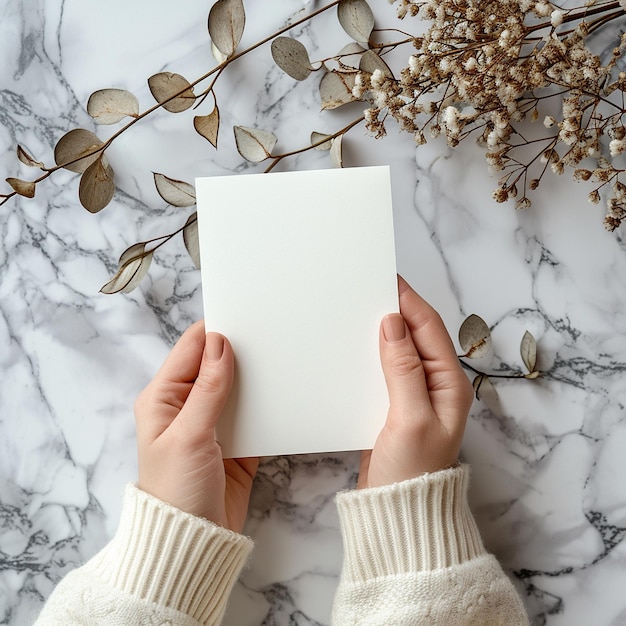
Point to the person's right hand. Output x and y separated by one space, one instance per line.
429 396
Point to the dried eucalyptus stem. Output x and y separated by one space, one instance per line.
479 69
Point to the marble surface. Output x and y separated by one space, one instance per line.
547 464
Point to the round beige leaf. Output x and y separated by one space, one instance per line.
227 19
336 153
356 18
166 85
74 145
253 144
292 57
208 126
317 137
528 351
96 187
132 267
175 192
474 337
217 55
336 89
371 61
24 188
109 106
26 159
190 237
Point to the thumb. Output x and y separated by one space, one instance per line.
211 388
403 370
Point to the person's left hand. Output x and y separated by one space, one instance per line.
180 461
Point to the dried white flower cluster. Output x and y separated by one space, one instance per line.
484 66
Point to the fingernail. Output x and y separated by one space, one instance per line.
214 347
394 328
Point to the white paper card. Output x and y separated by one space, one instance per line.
298 269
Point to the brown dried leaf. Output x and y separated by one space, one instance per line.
175 192
349 55
26 159
24 188
371 61
133 266
227 19
336 89
336 154
315 137
356 18
190 237
474 337
96 187
253 144
528 351
486 393
165 84
292 57
74 145
217 55
109 106
208 125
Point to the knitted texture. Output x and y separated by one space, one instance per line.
163 567
413 555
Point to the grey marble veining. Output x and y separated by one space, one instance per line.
548 464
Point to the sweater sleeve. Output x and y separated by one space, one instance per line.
163 566
413 555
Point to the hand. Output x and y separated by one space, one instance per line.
180 461
429 396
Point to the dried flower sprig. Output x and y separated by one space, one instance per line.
476 342
480 69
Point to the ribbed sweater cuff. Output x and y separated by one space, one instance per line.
163 555
420 524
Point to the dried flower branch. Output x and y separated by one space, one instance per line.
479 69
475 341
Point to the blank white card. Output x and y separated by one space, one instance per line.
298 269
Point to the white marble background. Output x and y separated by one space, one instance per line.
548 467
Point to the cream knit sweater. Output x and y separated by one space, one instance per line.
413 556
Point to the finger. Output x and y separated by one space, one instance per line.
427 328
161 400
403 370
448 386
183 362
209 393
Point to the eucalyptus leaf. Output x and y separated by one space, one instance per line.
316 137
109 106
72 146
27 159
217 55
96 187
208 126
336 89
474 337
24 188
253 144
356 18
175 192
190 237
485 391
292 57
528 351
132 267
350 55
336 153
371 61
165 85
227 19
